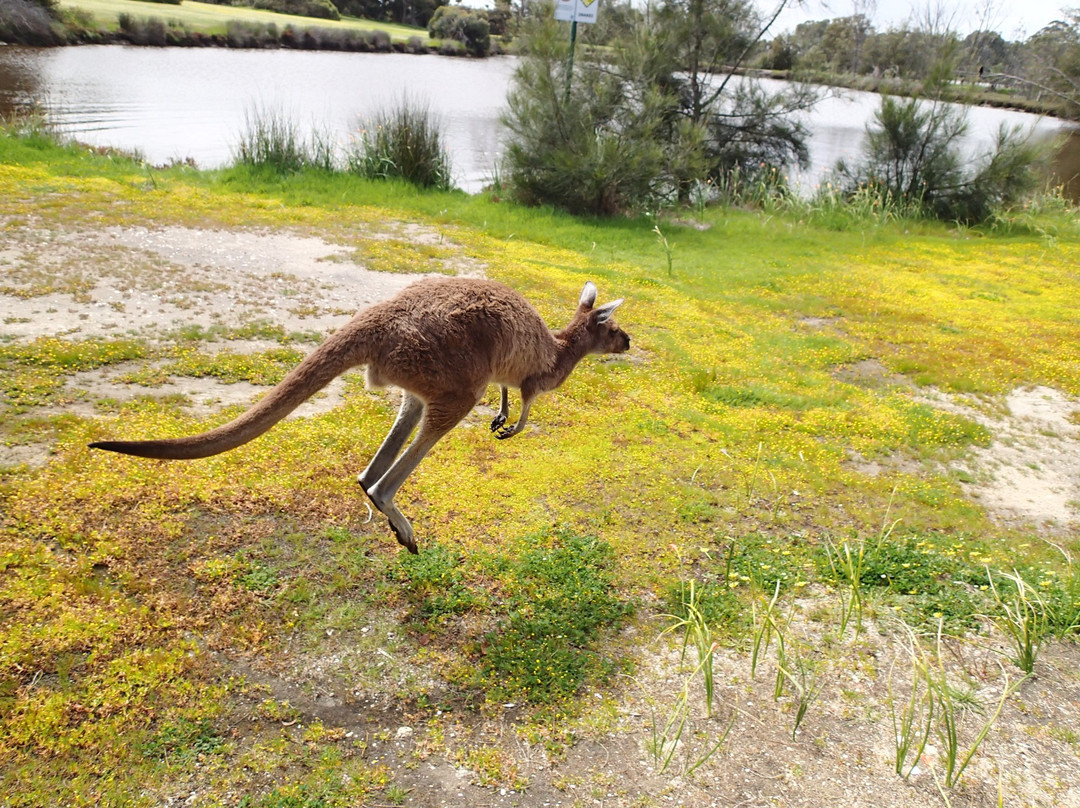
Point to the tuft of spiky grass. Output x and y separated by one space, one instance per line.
803 675
695 629
30 123
667 246
914 721
274 142
765 626
1022 615
847 563
937 706
404 142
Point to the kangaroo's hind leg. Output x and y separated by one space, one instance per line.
439 417
407 418
504 409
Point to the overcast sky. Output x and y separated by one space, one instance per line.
1013 19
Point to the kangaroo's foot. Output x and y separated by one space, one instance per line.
498 421
405 537
398 523
506 431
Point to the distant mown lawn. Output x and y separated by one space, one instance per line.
209 18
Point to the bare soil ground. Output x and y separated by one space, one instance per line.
148 282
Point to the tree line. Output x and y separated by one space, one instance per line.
1043 68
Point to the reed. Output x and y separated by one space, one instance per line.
1022 615
404 143
273 142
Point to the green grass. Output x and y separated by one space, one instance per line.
719 451
209 18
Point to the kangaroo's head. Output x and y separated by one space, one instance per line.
596 325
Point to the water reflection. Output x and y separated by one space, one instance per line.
1066 166
19 80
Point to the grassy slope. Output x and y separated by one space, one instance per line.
725 433
212 19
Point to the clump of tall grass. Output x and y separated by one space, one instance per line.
1064 601
405 143
272 141
847 562
937 706
695 630
30 123
1022 614
23 22
143 30
1047 213
765 188
912 150
342 39
871 203
674 732
245 34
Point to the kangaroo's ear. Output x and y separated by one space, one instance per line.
603 314
588 295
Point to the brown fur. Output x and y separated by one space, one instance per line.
442 341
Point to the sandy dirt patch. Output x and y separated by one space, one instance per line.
1030 472
146 281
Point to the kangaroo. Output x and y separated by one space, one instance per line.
442 341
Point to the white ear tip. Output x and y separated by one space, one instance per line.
588 294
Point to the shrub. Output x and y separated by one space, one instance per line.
589 146
912 157
381 41
465 25
323 9
26 22
451 47
754 136
403 143
142 31
240 34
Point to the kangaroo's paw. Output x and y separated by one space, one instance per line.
506 432
497 422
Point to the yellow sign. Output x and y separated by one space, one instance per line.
577 10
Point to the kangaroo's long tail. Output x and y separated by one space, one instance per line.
332 358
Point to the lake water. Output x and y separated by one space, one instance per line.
179 103
194 103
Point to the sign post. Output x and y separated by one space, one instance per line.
575 11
